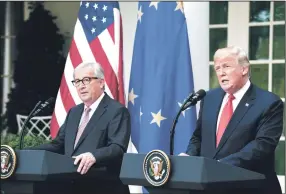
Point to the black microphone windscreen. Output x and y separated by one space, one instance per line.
201 93
50 100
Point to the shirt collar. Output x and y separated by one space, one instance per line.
239 94
94 105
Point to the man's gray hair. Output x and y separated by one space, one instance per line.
233 51
98 71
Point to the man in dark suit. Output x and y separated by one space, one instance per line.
95 132
239 124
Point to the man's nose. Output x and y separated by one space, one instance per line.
221 72
81 86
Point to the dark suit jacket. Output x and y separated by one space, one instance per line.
251 136
106 135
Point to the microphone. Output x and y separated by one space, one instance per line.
190 101
38 108
194 99
46 103
189 97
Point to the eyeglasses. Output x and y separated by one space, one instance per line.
84 81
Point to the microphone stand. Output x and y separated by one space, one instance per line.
25 123
172 131
192 100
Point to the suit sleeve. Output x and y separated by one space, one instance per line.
194 147
269 130
119 130
57 144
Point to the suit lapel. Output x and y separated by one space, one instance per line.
93 120
74 128
242 108
216 102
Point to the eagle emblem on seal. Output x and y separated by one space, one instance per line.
5 164
156 166
8 161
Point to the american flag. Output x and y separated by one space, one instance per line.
97 38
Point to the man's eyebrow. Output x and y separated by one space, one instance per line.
220 64
224 63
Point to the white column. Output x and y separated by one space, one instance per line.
7 56
197 16
238 17
129 22
26 10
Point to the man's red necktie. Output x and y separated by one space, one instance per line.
224 118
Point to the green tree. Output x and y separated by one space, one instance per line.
38 66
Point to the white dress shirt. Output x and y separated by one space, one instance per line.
93 107
238 96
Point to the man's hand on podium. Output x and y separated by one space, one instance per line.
86 161
183 154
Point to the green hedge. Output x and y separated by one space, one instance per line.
280 158
13 141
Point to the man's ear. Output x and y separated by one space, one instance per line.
102 82
245 70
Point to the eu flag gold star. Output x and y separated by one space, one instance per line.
132 96
157 118
155 4
180 6
139 13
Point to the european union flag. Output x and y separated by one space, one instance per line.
161 78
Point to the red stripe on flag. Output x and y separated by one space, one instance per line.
74 55
121 97
54 125
67 98
109 74
111 31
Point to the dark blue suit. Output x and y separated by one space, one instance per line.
250 138
106 136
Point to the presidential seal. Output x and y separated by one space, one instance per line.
156 167
8 161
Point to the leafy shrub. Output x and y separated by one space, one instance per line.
13 141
